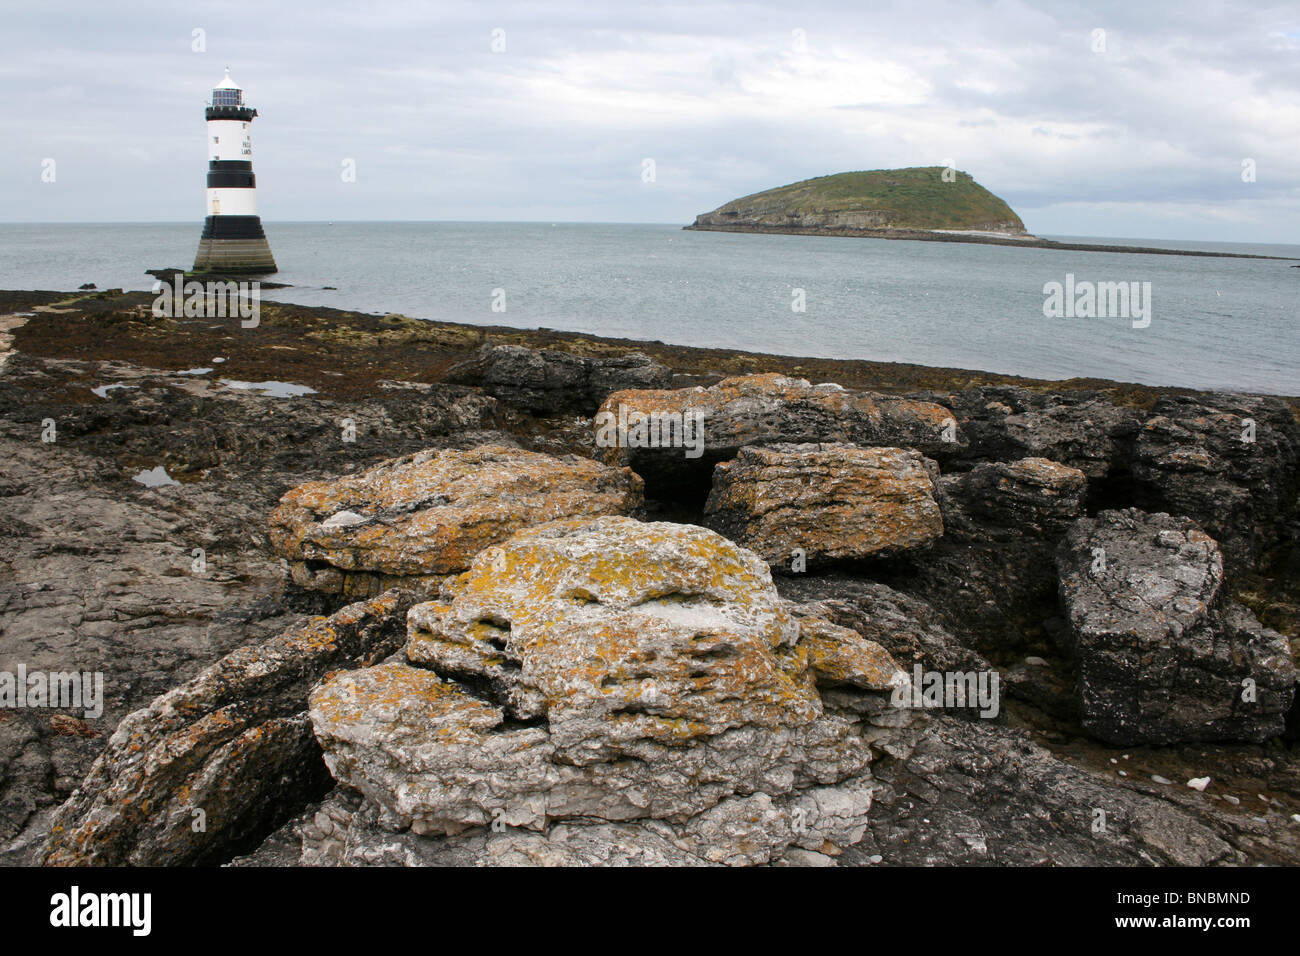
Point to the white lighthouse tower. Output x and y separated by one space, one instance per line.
233 240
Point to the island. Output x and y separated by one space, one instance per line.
929 203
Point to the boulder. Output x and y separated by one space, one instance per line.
415 520
231 750
1229 462
1003 423
996 592
608 671
1162 655
759 410
1032 496
833 502
546 382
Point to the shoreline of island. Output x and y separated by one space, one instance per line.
927 235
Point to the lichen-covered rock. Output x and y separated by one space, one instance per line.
832 502
767 409
1229 462
1162 656
232 749
415 520
547 382
602 670
1032 496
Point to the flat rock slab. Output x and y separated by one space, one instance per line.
759 410
418 519
548 382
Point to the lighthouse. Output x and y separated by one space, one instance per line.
233 240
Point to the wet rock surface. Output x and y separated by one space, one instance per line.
99 572
1227 461
1081 430
548 382
1031 497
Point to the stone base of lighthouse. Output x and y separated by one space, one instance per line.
234 244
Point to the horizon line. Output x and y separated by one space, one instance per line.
559 222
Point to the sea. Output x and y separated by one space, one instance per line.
1212 323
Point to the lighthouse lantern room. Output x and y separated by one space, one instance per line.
233 240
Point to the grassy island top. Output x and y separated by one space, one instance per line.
912 198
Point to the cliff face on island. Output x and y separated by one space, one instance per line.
913 199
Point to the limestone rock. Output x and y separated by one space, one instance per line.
233 745
832 501
1229 462
1004 423
1032 496
417 519
1162 656
992 575
808 828
950 792
975 793
909 629
603 670
547 382
770 409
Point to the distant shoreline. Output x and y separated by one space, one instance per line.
925 235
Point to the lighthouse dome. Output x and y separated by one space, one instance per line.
227 93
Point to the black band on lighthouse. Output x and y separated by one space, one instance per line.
231 180
242 113
233 227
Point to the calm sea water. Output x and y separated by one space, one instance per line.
1216 323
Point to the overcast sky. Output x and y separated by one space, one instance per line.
1139 132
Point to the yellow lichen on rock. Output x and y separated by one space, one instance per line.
830 501
416 519
600 668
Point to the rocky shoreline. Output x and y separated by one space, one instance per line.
424 613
